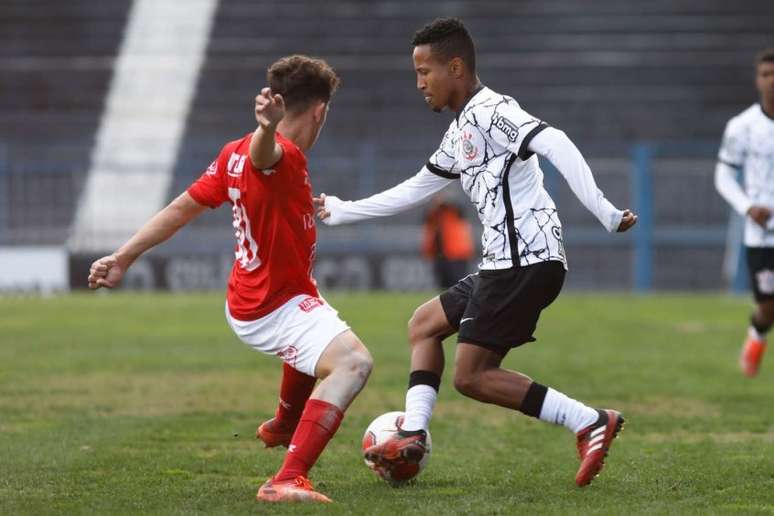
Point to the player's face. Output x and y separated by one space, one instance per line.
764 80
433 78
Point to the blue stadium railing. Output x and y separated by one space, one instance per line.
643 159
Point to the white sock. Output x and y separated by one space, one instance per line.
561 410
754 334
420 400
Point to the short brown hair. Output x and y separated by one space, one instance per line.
302 80
765 56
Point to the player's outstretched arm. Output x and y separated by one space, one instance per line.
269 111
411 192
555 146
108 270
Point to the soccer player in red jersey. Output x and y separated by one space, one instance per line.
272 300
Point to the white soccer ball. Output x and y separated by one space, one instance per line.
381 429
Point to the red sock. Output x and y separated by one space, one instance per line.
295 390
319 422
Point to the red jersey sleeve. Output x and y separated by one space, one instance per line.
210 189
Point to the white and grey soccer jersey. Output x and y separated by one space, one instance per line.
489 147
748 145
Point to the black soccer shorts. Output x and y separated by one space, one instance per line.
499 309
760 264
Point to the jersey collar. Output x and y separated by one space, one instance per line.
467 101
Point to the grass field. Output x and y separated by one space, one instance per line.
135 403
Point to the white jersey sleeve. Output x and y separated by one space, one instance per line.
406 195
728 186
555 146
512 128
733 149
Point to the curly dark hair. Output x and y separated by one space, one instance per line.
448 38
302 80
765 56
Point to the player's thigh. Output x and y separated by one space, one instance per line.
345 351
430 321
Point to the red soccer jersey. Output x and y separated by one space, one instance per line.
273 224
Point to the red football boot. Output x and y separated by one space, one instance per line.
273 433
594 443
404 448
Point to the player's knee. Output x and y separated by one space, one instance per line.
466 384
766 310
359 366
416 328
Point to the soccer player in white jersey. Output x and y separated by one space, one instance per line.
490 149
748 145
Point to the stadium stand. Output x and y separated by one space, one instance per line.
612 74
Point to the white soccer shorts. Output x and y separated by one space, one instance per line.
298 332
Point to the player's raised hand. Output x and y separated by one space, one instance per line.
319 206
759 214
628 220
105 272
269 109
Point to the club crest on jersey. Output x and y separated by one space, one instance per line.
506 126
309 304
470 150
212 169
236 164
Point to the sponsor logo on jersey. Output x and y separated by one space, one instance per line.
309 304
470 150
557 232
506 126
236 164
765 280
212 169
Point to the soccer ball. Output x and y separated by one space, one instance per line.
381 429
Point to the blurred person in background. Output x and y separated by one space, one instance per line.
748 146
447 240
273 304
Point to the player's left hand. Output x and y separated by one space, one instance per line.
269 108
627 221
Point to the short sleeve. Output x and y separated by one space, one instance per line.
733 148
210 189
443 162
510 127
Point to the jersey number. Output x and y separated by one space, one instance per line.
246 251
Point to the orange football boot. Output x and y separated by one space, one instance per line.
594 443
752 356
298 489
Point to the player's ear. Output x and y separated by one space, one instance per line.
320 110
456 67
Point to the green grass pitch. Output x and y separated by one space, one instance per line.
121 403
